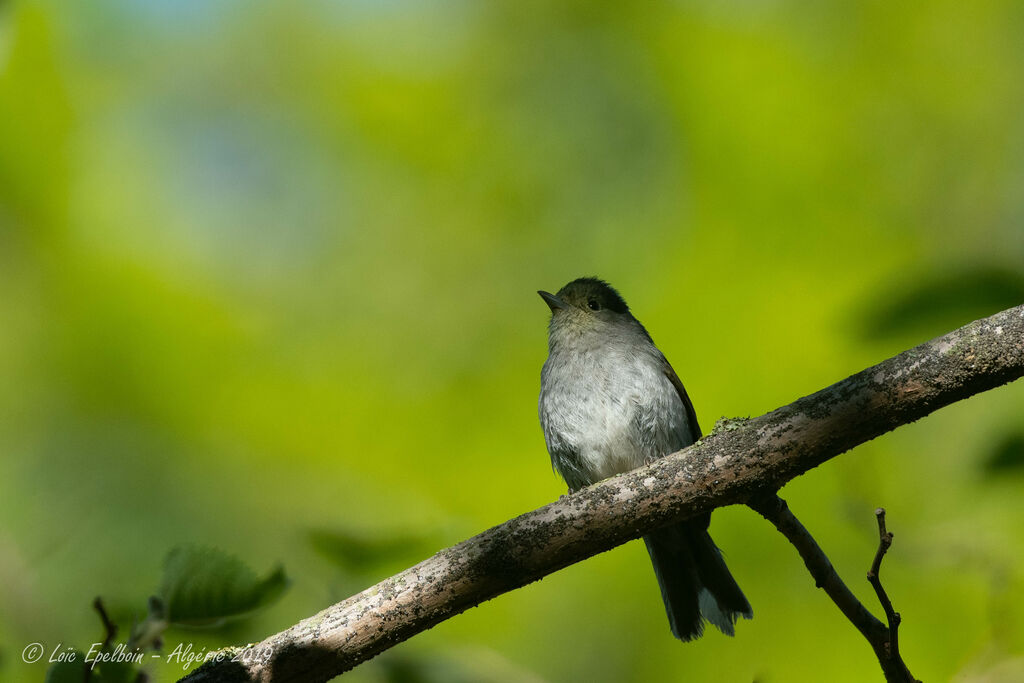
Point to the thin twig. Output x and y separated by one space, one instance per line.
874 578
884 542
109 629
776 511
881 638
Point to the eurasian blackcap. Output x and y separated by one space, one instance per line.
610 402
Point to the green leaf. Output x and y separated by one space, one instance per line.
360 552
68 672
104 672
1007 456
206 586
114 672
942 301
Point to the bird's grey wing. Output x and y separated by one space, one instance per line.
691 414
566 461
691 417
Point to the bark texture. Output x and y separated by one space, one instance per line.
741 460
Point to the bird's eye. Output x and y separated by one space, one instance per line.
593 305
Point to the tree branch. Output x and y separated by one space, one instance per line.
882 640
742 460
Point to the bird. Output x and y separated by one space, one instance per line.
610 402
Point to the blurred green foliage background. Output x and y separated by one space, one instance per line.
267 275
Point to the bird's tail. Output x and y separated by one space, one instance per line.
695 583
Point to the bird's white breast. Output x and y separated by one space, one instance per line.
615 409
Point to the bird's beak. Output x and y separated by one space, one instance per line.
553 302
